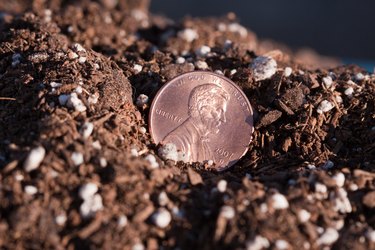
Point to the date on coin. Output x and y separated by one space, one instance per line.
205 115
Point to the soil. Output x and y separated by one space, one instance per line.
53 53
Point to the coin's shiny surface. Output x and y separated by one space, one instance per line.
205 115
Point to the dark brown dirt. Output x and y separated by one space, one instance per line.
52 89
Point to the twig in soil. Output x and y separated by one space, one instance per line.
7 98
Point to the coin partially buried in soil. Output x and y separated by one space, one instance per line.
205 115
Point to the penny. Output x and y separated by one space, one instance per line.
205 115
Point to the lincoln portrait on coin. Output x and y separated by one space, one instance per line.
207 108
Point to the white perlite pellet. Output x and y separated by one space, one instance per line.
278 201
227 212
359 77
138 246
168 152
162 217
142 100
329 237
222 186
339 179
349 91
86 129
203 51
258 243
137 68
55 84
60 219
237 28
77 158
74 102
341 201
79 48
152 160
281 244
327 81
325 106
142 130
303 215
188 34
163 199
288 71
88 190
338 99
31 190
34 159
180 60
201 65
90 206
263 68
122 221
370 234
134 152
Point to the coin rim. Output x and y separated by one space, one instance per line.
160 91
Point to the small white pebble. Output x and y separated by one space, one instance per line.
341 201
233 71
353 187
258 243
152 160
134 152
163 199
180 60
203 51
77 158
237 28
218 71
86 129
168 151
288 71
31 190
325 106
201 65
370 234
90 206
311 166
263 68
359 77
188 35
137 68
34 159
162 217
349 91
338 99
78 47
93 99
339 179
138 246
210 162
327 81
222 186
87 191
279 201
96 145
329 237
60 219
72 55
74 102
142 100
320 188
263 208
78 90
55 84
339 224
122 221
142 130
19 177
281 244
227 212
303 215
82 59
103 162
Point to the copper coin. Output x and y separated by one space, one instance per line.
205 115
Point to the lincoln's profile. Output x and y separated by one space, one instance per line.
207 107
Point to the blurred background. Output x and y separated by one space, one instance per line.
340 28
